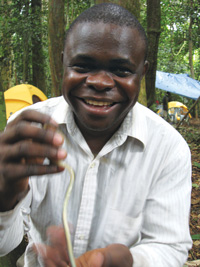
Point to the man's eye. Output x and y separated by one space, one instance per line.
81 68
122 72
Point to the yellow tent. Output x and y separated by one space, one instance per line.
176 111
176 104
21 96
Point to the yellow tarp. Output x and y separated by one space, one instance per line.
21 96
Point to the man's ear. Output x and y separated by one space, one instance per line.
145 68
62 56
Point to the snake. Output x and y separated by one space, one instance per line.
66 200
66 226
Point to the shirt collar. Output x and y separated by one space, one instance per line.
134 125
61 111
63 115
139 123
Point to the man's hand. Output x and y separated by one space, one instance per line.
54 255
23 147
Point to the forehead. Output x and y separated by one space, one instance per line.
104 38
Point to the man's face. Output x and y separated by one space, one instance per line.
103 67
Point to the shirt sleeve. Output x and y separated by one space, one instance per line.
13 225
165 231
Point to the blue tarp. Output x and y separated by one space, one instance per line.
180 84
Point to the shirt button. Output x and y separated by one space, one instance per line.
92 165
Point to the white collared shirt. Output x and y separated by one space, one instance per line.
136 192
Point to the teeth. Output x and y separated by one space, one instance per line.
98 103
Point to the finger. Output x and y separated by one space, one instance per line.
92 258
24 130
96 260
32 116
50 256
12 172
47 254
117 255
28 149
49 263
56 235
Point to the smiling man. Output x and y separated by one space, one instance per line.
130 202
101 88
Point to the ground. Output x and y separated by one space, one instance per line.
191 133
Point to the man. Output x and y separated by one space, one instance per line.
166 100
130 202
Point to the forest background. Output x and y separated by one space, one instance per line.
32 36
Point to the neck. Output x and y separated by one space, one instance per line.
96 141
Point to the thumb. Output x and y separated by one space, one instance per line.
96 260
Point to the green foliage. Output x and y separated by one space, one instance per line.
197 164
195 185
75 8
173 55
195 237
191 135
20 28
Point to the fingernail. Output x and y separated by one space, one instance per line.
52 121
58 139
62 154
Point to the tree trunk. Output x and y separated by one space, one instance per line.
190 43
2 108
26 37
153 33
142 99
5 59
56 41
38 72
133 6
190 47
5 77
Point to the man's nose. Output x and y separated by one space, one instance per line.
100 81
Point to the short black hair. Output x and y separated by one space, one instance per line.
110 13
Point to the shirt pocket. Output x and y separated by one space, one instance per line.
123 229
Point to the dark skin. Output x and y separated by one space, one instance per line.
111 77
23 149
115 255
101 88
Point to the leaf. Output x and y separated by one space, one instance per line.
195 185
196 243
195 237
196 164
192 263
195 201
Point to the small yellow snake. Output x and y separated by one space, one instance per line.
69 189
66 227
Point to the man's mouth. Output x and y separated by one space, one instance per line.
99 103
